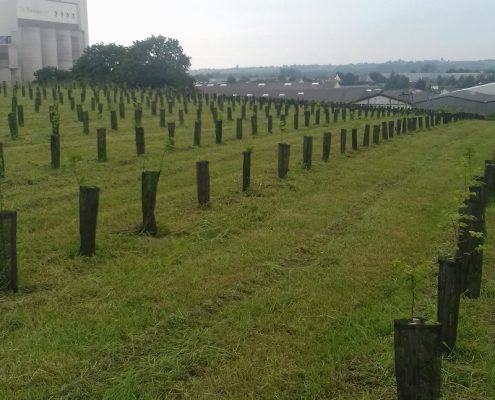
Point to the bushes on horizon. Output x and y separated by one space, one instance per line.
396 81
52 75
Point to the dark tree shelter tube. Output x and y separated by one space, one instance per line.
88 215
149 187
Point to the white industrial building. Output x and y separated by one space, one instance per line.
380 98
477 100
40 33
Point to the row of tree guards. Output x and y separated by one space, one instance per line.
419 345
384 131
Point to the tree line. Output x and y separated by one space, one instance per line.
157 61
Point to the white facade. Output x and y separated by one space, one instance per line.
383 101
40 33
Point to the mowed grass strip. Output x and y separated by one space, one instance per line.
288 292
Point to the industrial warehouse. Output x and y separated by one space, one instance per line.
40 33
477 100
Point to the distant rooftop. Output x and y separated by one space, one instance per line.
489 89
322 91
312 91
482 93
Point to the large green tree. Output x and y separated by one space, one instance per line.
100 63
154 62
157 61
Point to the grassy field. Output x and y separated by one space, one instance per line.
286 292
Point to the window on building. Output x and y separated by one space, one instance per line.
4 57
5 39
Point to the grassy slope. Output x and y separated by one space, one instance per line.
288 292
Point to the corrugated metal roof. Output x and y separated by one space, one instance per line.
479 94
471 96
482 93
325 91
488 89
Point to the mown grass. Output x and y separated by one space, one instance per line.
287 292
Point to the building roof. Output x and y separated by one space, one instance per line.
321 91
471 96
415 95
488 89
405 96
479 94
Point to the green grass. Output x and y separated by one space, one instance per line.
288 292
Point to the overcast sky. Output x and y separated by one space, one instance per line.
226 33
